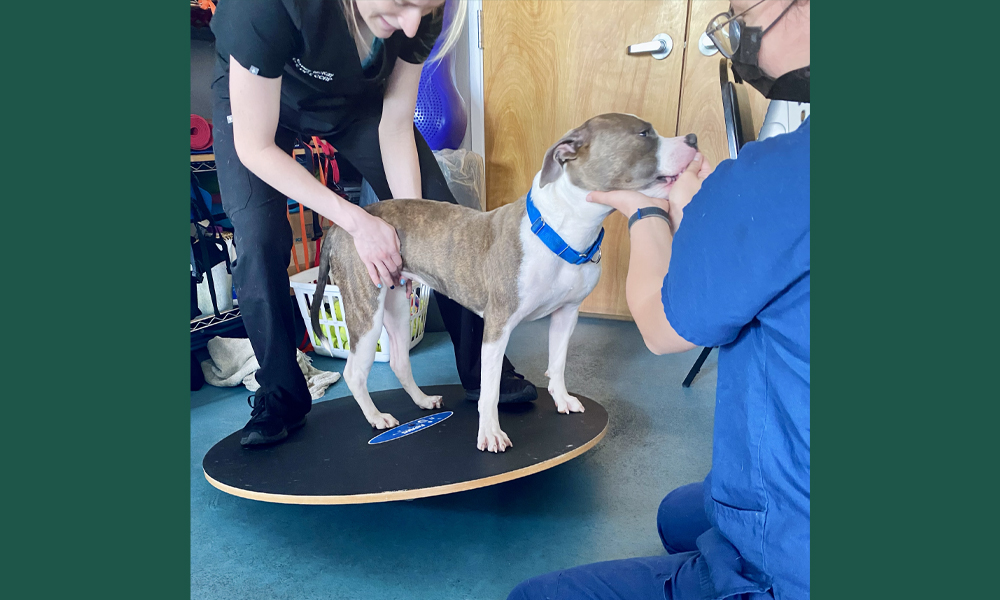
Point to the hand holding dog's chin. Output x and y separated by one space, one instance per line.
687 185
625 201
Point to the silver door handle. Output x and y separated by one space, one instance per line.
706 45
659 48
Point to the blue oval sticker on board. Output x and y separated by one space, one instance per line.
412 427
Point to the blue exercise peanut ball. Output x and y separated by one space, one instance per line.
440 116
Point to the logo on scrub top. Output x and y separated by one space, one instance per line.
321 75
412 427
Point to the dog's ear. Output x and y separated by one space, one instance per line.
564 150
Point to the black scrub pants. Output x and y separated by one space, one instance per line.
263 240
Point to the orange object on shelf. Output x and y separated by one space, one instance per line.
305 238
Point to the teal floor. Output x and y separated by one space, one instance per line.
476 544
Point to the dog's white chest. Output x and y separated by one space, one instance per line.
548 282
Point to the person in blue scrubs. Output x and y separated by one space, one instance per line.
727 264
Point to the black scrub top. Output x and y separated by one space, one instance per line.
308 44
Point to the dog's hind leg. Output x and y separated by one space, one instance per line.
359 365
397 325
561 325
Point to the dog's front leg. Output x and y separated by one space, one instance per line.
491 437
561 326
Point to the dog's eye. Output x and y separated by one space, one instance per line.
644 133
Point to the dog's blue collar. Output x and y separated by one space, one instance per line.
558 245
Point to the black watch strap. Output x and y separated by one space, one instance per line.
648 211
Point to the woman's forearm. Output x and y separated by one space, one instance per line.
649 261
399 157
395 131
256 104
282 172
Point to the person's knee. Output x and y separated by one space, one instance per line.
520 592
536 588
680 518
262 236
663 524
260 271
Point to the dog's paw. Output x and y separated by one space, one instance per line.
494 440
429 402
567 404
383 421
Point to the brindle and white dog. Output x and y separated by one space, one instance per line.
492 262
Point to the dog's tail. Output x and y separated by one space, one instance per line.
317 301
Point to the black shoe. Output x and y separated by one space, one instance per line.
514 388
265 427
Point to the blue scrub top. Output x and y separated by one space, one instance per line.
739 280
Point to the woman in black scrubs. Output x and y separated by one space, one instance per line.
347 71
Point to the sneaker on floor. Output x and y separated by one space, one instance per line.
265 427
514 388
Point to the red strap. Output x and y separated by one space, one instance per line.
306 345
335 169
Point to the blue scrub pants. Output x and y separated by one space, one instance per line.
680 520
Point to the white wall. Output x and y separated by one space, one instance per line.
460 65
468 78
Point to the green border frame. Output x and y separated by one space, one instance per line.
97 426
97 443
904 250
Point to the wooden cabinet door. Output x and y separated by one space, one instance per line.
550 65
701 92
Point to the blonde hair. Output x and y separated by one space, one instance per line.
451 34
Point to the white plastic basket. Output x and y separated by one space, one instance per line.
331 316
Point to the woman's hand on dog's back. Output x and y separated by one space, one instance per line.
378 246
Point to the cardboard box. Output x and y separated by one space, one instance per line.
296 225
298 253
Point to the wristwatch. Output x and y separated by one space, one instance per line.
648 211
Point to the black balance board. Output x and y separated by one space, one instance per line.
334 458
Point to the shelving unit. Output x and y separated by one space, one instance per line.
210 320
202 163
205 163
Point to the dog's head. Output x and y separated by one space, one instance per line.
618 152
